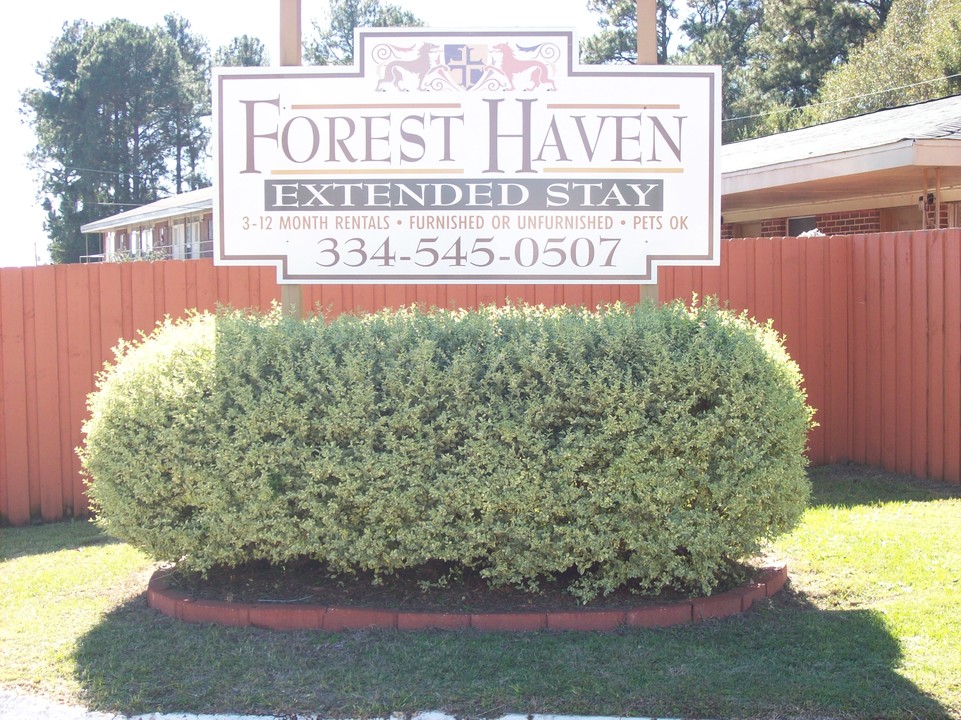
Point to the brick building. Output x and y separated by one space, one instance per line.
897 169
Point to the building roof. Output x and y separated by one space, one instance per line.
195 201
890 156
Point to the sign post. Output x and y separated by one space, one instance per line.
291 296
646 14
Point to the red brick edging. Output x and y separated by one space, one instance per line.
317 617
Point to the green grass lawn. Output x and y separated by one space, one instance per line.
868 627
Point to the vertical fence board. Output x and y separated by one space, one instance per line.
190 283
49 419
30 388
952 357
586 296
5 481
711 279
427 296
126 307
64 372
918 339
683 284
737 270
110 308
395 296
540 294
836 361
872 350
238 287
934 284
82 369
159 290
749 286
141 298
490 295
815 335
363 299
380 296
888 352
206 290
589 296
456 296
254 275
857 342
222 284
332 300
904 354
665 285
270 290
15 461
764 276
313 299
789 322
173 275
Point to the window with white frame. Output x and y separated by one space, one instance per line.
179 242
193 239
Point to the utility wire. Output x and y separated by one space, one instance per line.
844 99
92 170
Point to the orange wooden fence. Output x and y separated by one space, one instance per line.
873 320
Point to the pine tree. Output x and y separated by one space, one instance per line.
334 43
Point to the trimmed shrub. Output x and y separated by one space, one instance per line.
653 445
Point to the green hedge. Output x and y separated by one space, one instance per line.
653 445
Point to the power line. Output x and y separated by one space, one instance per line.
843 99
93 170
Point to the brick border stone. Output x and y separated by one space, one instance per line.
277 616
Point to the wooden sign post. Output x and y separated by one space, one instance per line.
291 296
646 12
646 32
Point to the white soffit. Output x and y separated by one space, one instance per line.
903 154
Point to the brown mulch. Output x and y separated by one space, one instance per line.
430 588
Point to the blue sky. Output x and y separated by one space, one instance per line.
24 242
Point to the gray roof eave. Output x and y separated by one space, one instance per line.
199 201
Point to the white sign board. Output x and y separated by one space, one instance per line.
467 157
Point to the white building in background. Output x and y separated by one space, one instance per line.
178 228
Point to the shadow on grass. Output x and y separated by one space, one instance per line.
783 659
852 485
50 538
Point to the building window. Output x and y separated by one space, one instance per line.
799 225
179 242
193 239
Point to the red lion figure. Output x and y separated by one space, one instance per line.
512 66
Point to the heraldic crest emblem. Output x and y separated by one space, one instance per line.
466 67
